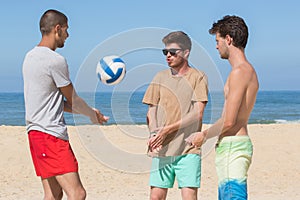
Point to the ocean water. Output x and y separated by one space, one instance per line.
126 108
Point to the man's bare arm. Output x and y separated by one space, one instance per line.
76 104
151 118
237 85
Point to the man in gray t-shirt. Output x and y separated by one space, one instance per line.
45 71
48 92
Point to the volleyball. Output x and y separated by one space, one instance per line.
111 70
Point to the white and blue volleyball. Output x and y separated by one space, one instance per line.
111 70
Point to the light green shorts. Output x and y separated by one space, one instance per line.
233 158
186 169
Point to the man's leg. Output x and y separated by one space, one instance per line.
188 172
162 177
158 193
233 158
189 193
52 189
71 184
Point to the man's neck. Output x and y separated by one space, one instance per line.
237 57
180 71
47 42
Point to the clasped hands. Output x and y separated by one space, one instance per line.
156 139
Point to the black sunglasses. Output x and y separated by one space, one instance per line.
171 51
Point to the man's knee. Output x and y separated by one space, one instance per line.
158 193
57 196
78 194
157 197
82 194
189 193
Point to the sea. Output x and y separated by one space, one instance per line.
127 108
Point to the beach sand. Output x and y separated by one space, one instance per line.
113 164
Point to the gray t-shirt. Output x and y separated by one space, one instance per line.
44 72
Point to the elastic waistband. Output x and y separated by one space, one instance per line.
242 138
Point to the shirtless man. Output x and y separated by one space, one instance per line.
234 147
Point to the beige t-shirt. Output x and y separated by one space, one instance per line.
175 97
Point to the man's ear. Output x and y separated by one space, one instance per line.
57 28
228 40
186 53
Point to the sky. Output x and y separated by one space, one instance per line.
273 43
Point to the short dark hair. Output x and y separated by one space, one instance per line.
233 26
50 19
180 38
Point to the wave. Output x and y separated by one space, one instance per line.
275 121
283 121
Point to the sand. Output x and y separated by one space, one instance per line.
113 164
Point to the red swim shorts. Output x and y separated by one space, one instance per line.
51 156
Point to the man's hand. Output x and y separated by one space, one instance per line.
196 139
98 118
151 150
156 141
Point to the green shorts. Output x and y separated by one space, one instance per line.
233 158
186 168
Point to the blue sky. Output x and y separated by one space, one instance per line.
272 45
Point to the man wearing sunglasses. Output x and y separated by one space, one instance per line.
176 97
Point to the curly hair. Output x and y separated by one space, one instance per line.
233 26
